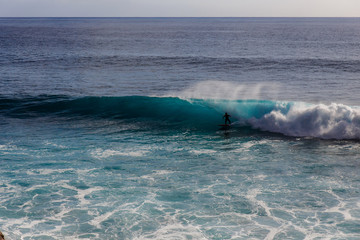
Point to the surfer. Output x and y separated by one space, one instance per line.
226 116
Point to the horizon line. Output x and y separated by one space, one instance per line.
167 17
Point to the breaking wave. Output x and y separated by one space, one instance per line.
333 121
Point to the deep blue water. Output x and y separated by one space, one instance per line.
109 128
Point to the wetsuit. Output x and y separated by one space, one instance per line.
226 116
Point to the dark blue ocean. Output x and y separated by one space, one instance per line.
109 128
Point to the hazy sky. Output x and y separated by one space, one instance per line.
179 8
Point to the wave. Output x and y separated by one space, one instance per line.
333 121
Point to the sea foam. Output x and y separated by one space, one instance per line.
334 121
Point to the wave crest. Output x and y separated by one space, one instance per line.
334 121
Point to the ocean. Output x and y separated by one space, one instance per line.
110 128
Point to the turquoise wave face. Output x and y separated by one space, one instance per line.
172 110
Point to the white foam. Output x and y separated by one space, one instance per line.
47 171
251 195
175 230
248 145
334 121
48 143
3 147
81 193
156 174
203 151
99 219
9 148
100 153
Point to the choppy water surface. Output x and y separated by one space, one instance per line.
109 129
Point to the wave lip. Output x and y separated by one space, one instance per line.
164 110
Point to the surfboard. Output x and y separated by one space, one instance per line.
224 126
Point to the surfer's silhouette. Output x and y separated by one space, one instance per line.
226 116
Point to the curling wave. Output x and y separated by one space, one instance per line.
334 121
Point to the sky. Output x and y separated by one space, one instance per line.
179 8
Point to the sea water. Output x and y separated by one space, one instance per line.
109 128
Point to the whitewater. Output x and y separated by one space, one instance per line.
110 128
